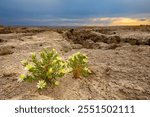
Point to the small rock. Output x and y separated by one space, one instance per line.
5 50
77 46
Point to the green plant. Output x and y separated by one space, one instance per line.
45 68
79 65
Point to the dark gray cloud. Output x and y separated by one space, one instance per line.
39 12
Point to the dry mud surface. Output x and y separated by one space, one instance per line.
119 58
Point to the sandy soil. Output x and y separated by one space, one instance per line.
119 58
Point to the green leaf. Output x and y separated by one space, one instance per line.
29 67
24 62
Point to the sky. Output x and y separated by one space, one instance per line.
74 12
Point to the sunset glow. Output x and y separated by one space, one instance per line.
130 21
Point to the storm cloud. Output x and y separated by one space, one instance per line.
71 12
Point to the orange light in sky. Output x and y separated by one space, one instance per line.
129 21
119 21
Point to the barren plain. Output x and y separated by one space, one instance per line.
119 58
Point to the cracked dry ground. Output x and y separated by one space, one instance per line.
121 73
